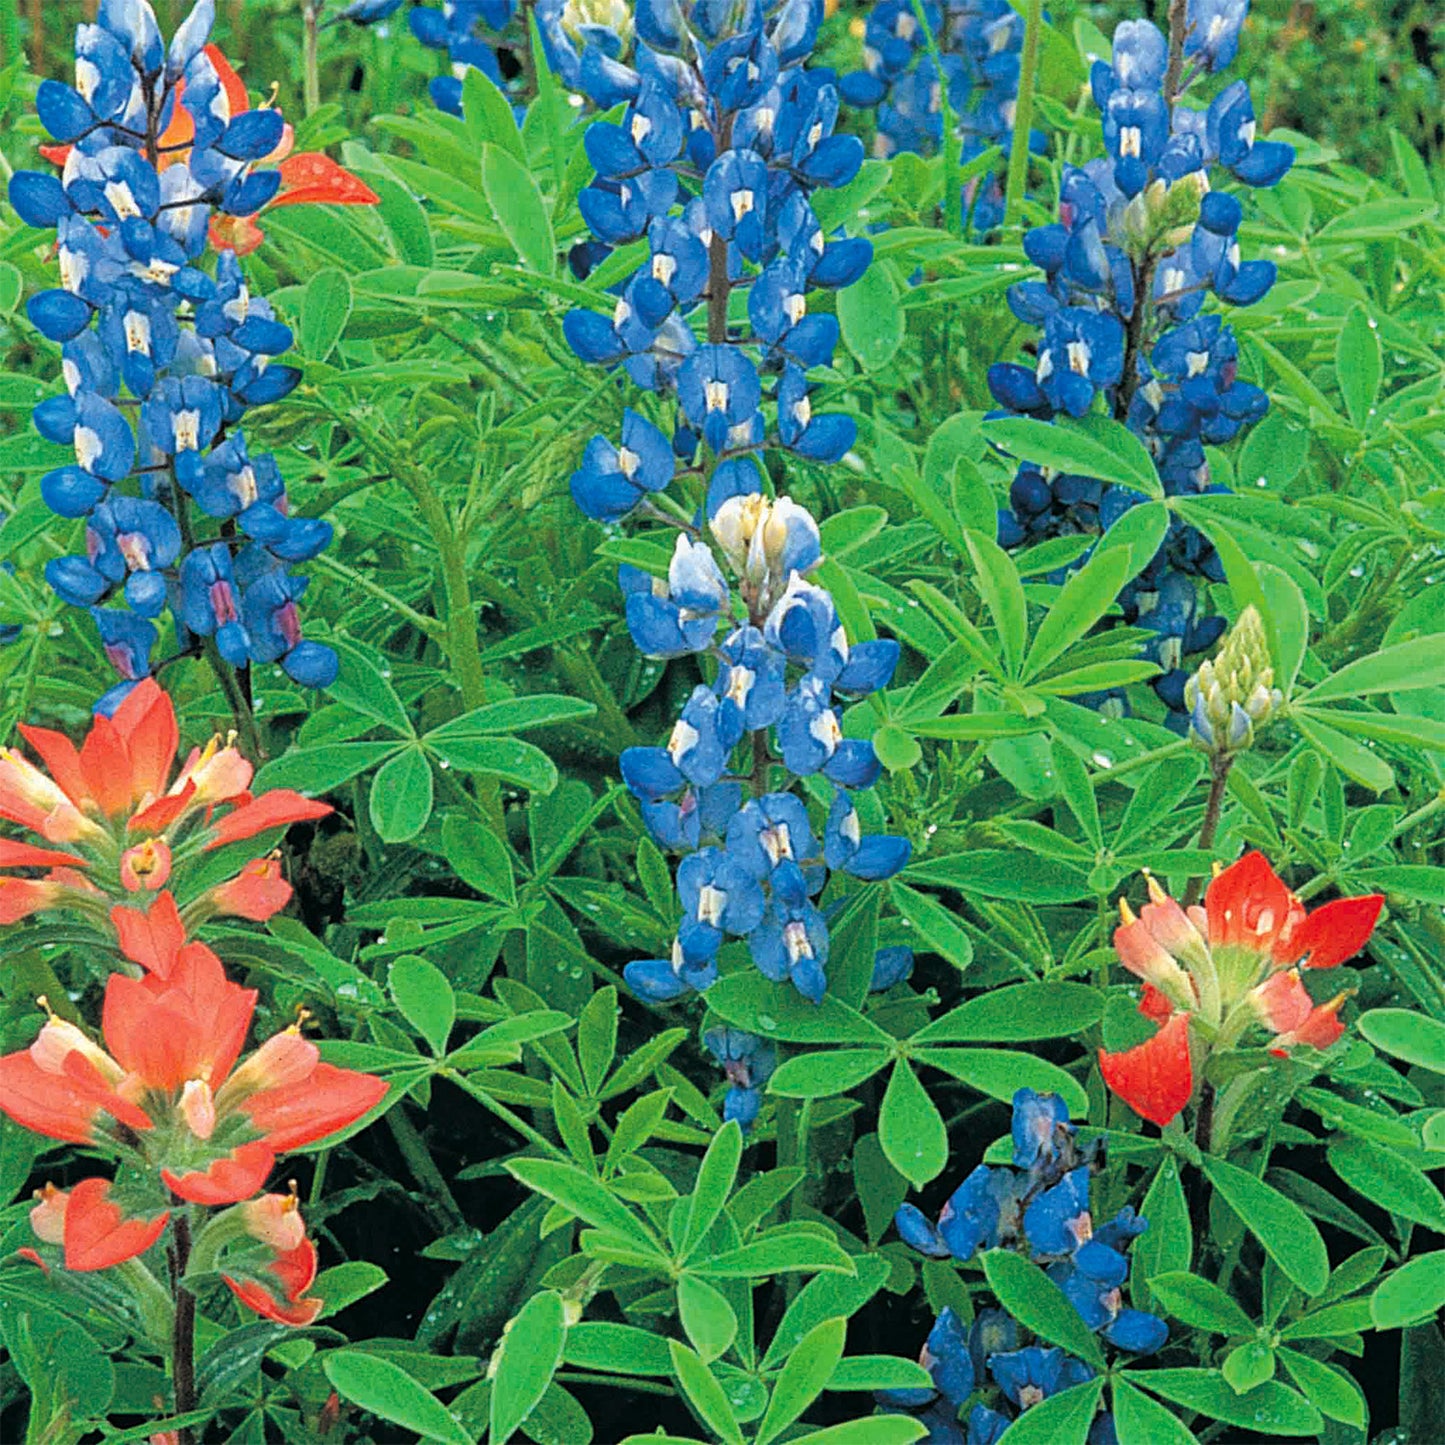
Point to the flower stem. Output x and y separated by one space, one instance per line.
1219 778
311 98
183 1334
952 143
1178 26
1018 157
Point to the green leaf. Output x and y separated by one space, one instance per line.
401 796
1000 1073
531 1350
621 1349
515 715
1271 1408
1401 668
597 1037
1037 1303
716 1176
1411 1294
1141 529
1168 1244
580 1194
1248 1365
1353 759
1328 1389
937 928
876 1430
706 1316
12 288
519 209
479 858
325 310
871 320
1358 366
828 1072
319 770
344 1284
997 580
1004 873
363 684
425 999
1287 623
910 1128
1389 1181
1138 1420
810 1364
1407 1035
1018 1013
1287 1233
1200 1303
784 1250
387 1390
1083 600
488 115
704 1394
1103 449
1062 1419
510 759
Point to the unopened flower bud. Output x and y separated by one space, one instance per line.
47 1218
1234 693
275 1220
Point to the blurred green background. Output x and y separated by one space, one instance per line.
1342 71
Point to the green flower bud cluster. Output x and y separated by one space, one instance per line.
1235 693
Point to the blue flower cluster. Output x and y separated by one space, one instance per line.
723 139
471 33
1142 240
748 1062
161 359
979 43
1038 1207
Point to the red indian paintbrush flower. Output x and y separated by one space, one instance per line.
166 1095
1233 962
125 827
273 1279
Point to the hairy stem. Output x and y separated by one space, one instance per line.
311 96
1018 158
183 1334
1219 779
1178 27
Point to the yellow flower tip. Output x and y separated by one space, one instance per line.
1127 914
1156 890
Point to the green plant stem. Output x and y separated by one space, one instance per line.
1018 157
311 97
506 1115
437 1200
1219 779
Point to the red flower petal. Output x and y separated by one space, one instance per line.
257 892
300 1114
146 722
1248 906
313 176
163 812
61 1106
14 854
275 809
24 897
61 760
1333 933
152 939
1154 1005
98 1235
1155 1079
229 1180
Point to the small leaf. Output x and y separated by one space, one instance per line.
387 1390
870 318
707 1317
1138 1420
1037 1303
1287 1233
704 1394
519 208
910 1128
1271 1408
1083 600
531 1350
1388 1180
1358 367
1103 449
1200 1303
325 310
1410 1294
479 858
401 796
936 926
1407 1035
1248 1365
1062 1419
1328 1389
715 1178
1017 1013
810 1364
425 999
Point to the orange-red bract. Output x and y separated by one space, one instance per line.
1156 1078
98 1234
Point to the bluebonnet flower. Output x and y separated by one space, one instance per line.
144 327
471 32
1140 241
748 1062
979 44
1041 1206
723 138
891 966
